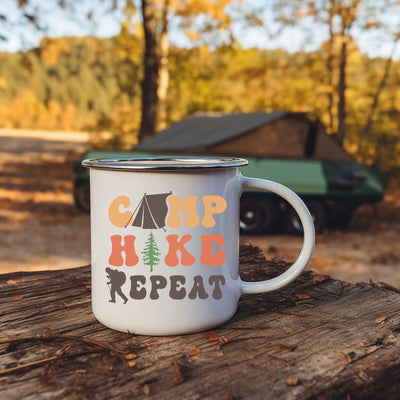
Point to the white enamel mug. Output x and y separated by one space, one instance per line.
165 242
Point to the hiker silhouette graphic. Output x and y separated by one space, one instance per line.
116 280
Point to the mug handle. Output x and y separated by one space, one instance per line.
308 242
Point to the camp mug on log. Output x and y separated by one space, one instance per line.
165 242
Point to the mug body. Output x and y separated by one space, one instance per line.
165 239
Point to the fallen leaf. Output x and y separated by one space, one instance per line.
130 356
131 363
277 347
194 351
361 344
221 340
320 278
302 296
152 346
380 320
347 359
146 389
212 335
287 329
178 379
292 381
18 297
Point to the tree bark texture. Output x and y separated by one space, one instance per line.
317 338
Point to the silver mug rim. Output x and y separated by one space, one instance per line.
162 163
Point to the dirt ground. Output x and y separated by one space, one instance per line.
40 228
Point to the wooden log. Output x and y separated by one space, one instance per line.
318 338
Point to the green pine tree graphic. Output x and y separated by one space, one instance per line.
151 252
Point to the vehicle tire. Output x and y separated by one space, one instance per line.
342 219
318 213
82 197
257 215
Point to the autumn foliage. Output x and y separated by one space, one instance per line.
89 83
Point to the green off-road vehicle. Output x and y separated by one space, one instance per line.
289 148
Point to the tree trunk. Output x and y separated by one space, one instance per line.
329 67
163 82
150 79
342 91
348 14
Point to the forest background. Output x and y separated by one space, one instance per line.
99 84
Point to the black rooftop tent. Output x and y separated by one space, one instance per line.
281 134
